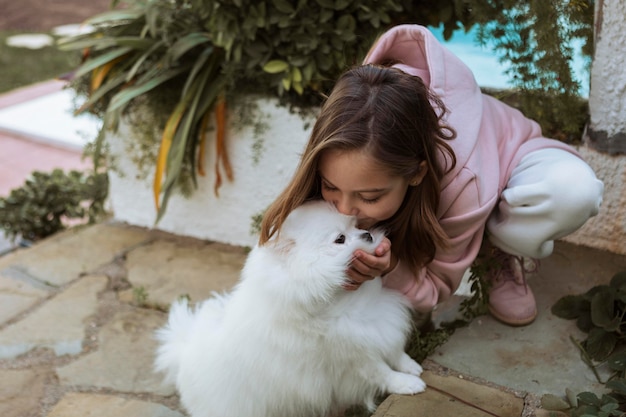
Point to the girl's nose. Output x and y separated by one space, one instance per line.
344 206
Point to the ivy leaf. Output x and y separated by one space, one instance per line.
327 4
341 4
617 385
603 310
617 361
570 307
609 407
587 411
620 295
584 322
283 6
275 66
593 291
589 398
619 280
600 343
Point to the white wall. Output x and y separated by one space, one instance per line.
607 95
607 230
606 135
226 218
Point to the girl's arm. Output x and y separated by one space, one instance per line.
464 223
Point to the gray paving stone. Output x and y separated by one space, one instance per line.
527 359
429 403
98 405
539 358
168 269
124 358
20 392
64 257
17 295
450 396
58 324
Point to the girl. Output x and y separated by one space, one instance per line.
409 143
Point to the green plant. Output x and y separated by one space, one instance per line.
600 313
477 304
425 339
584 404
39 208
201 53
561 118
536 39
140 296
210 48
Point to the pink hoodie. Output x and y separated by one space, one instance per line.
491 140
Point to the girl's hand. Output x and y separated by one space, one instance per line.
366 266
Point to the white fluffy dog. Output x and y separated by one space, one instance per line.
289 341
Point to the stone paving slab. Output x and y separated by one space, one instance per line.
128 339
21 392
168 269
18 295
62 258
78 335
97 405
82 344
539 358
452 396
59 324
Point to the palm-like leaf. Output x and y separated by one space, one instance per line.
138 49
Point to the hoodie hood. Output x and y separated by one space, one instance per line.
418 52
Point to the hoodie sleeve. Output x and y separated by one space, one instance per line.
464 222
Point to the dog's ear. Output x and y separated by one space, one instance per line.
283 246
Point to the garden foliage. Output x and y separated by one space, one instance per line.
47 201
600 314
202 52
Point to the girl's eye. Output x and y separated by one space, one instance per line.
370 200
328 187
341 239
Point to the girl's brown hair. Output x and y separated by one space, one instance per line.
399 122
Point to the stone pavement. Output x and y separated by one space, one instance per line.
78 311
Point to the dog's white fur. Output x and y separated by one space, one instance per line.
289 341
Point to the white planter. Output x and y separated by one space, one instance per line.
229 217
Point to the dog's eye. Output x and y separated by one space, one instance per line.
341 239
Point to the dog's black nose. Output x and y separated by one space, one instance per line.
367 236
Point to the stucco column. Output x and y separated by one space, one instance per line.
607 97
605 139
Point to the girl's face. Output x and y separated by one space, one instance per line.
359 186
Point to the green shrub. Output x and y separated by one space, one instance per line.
39 208
201 53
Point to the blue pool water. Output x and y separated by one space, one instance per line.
487 69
